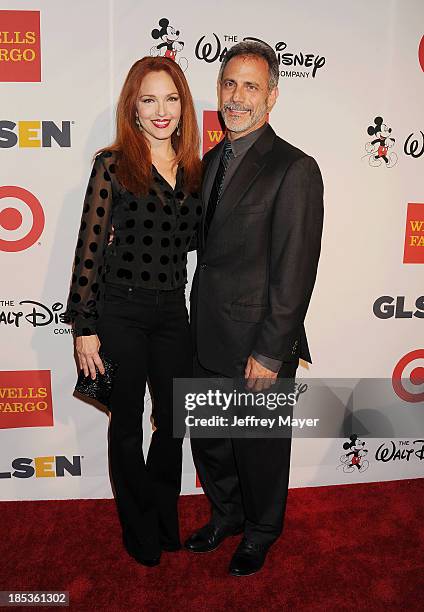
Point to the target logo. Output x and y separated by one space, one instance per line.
421 53
21 219
408 377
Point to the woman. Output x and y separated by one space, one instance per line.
127 292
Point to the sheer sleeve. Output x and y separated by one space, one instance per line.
88 270
193 244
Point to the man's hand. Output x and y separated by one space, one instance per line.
259 377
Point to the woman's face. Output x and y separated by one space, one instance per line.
158 106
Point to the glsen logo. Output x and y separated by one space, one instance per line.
402 387
33 134
213 132
309 63
20 228
44 467
388 307
36 314
20 49
414 234
26 399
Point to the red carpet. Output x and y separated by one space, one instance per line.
354 547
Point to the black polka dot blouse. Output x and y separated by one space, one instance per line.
151 237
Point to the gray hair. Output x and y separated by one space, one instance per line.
258 49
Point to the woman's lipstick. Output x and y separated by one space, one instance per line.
161 123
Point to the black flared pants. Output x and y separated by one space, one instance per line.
146 332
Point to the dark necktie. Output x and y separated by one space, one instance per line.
227 154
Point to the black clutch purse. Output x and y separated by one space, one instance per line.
100 388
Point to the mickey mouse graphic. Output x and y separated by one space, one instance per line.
378 149
170 45
354 459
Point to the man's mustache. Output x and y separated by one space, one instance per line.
235 107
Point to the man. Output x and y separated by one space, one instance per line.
258 253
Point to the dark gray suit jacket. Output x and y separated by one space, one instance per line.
255 275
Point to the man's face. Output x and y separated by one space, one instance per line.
244 97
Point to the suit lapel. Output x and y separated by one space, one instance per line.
212 163
245 176
213 158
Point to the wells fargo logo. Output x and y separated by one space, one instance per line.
414 234
44 467
20 50
34 134
213 131
26 399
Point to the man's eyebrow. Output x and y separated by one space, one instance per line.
244 83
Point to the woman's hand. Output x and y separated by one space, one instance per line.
87 348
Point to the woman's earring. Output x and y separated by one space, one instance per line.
137 121
178 129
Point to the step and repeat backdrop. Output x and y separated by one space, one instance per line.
351 95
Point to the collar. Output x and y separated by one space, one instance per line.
241 145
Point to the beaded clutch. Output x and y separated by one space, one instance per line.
100 388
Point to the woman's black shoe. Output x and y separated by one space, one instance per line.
171 547
148 562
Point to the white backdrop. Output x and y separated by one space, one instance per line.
368 66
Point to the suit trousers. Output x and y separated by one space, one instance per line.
146 332
245 479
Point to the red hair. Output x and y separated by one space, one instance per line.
134 162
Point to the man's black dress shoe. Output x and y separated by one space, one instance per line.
209 537
248 558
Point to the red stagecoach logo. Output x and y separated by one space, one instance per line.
414 234
213 130
20 228
26 399
20 49
404 389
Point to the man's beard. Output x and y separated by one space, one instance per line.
241 124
